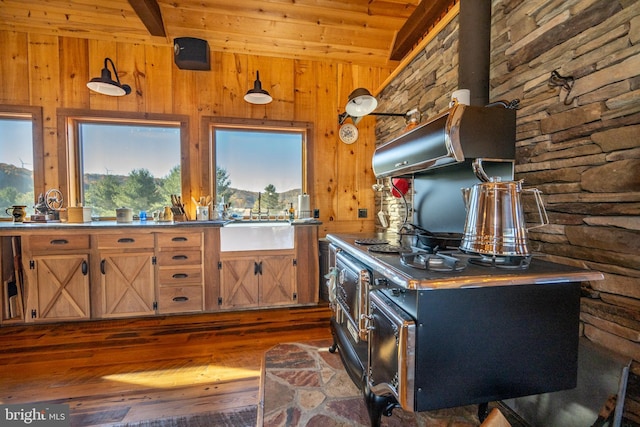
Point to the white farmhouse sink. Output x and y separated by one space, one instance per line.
256 236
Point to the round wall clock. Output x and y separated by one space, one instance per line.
348 133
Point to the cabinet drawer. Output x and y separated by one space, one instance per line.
167 241
177 299
125 241
176 276
41 243
186 257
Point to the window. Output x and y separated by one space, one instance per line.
260 169
20 164
120 162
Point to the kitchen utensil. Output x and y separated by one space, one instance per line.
382 217
124 214
202 213
495 223
18 212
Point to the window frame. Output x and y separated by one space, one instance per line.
70 179
211 123
37 136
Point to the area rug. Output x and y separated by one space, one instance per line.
304 385
245 417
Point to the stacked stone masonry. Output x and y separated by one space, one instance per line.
581 149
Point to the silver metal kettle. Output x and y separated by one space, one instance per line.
495 223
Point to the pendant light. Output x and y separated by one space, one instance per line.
106 85
257 95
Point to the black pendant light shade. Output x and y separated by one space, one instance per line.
106 85
257 95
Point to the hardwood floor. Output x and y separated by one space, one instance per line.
120 371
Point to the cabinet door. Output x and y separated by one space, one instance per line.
278 284
127 282
239 278
61 288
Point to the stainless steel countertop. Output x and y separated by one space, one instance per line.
389 265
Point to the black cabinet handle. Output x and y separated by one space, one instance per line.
102 266
85 268
179 239
179 257
256 268
180 276
59 242
180 299
126 240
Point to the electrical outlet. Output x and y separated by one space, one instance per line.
316 213
362 213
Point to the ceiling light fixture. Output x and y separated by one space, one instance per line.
257 95
106 85
361 103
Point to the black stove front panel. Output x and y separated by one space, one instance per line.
392 335
484 344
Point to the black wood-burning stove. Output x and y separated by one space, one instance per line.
430 328
424 340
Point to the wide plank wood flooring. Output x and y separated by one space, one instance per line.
128 370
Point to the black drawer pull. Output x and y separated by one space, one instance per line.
179 239
179 257
180 276
126 240
59 242
180 299
85 268
102 263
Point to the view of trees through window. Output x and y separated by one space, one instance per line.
129 165
16 164
258 172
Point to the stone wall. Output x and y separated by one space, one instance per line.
581 148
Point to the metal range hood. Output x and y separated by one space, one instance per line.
461 133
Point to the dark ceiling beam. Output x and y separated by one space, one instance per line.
149 13
425 16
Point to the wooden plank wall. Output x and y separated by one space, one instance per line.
52 72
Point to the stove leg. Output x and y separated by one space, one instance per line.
483 411
377 406
334 346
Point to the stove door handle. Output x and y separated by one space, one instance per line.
367 323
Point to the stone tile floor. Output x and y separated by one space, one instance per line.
304 385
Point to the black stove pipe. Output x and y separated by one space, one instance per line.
474 49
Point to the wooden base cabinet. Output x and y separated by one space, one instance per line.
127 275
257 280
58 277
180 272
61 288
113 271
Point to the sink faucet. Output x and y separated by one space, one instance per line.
259 212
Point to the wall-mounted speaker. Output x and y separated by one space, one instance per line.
191 54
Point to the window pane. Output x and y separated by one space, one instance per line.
258 170
16 164
134 166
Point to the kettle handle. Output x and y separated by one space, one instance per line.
478 170
542 212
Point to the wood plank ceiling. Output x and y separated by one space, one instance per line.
353 31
